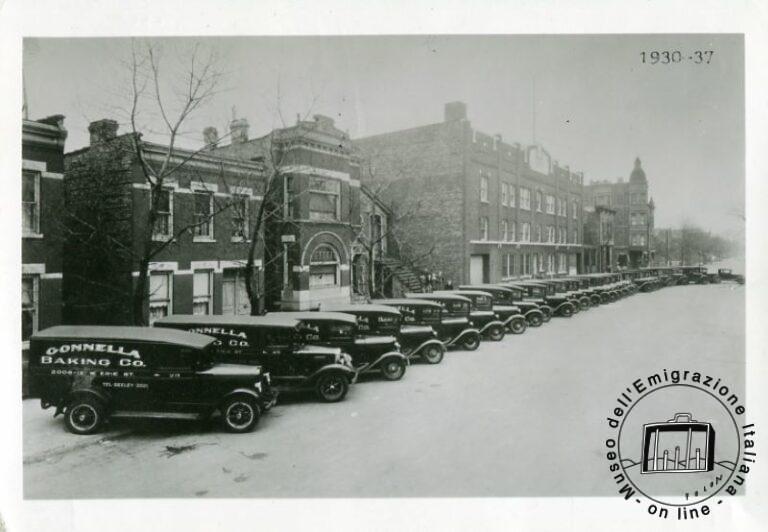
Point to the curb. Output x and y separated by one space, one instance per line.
62 450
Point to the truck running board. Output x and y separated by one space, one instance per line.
155 415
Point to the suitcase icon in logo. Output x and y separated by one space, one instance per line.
680 445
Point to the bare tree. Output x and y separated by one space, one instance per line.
191 90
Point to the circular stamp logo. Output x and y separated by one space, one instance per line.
679 443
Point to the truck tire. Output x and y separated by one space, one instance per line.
433 354
393 369
240 414
84 415
332 387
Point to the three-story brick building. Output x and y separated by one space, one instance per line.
480 209
198 246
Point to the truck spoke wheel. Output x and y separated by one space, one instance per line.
433 354
393 370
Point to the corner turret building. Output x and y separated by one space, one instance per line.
633 221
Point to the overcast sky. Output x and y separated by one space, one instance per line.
596 105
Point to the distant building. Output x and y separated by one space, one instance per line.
599 255
634 219
479 209
199 241
42 173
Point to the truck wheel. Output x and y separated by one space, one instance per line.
332 388
471 343
496 333
567 311
518 326
393 370
84 415
584 304
535 320
240 414
433 354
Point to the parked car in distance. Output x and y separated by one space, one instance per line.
387 320
482 314
370 353
91 373
455 328
727 274
278 344
534 293
502 300
517 296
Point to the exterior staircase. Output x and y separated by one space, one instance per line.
401 272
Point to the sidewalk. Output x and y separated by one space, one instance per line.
46 437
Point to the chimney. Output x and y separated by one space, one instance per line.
455 111
210 137
102 130
238 128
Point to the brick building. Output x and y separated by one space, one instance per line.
634 219
321 228
41 205
479 209
199 243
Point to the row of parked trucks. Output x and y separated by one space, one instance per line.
234 367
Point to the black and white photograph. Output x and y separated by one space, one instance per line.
342 269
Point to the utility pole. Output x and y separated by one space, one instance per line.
668 246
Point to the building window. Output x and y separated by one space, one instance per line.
637 198
539 199
504 194
512 195
562 263
507 265
525 198
483 228
575 207
324 267
240 217
551 234
638 240
513 232
202 292
30 203
538 234
234 294
575 236
324 198
525 232
637 219
563 207
484 189
203 219
504 230
160 292
164 214
29 305
550 204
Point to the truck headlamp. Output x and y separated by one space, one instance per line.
257 386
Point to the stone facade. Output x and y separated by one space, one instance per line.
634 220
477 209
